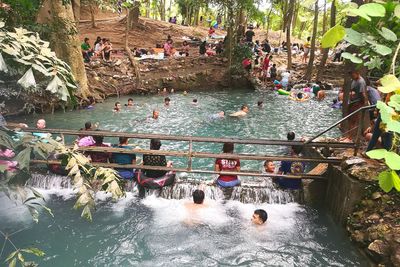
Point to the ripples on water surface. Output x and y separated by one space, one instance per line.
153 232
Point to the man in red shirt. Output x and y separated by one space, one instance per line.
228 165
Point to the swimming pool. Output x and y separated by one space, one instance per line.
153 231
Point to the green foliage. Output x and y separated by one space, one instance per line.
18 256
29 61
333 36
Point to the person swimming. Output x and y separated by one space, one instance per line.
117 107
156 114
130 103
260 104
167 101
259 217
194 102
219 115
242 112
299 96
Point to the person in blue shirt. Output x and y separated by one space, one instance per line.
124 159
291 167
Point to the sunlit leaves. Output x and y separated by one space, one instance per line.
395 102
383 50
397 11
388 116
374 63
373 10
389 83
352 58
17 256
392 159
388 34
333 36
354 37
388 180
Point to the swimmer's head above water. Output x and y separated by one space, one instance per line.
156 114
167 100
198 196
259 217
245 108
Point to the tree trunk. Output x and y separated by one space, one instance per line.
148 7
295 15
268 21
288 32
91 6
128 50
76 7
310 65
325 51
66 44
162 10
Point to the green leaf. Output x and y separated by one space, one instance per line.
389 83
24 158
360 13
12 255
354 37
373 10
13 263
395 102
392 159
333 36
377 153
396 180
397 11
34 251
388 34
383 50
393 126
86 213
352 58
374 63
386 181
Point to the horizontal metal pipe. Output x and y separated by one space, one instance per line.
145 167
193 138
206 155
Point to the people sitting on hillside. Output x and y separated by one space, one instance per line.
87 51
291 167
210 51
219 48
228 165
168 48
266 47
155 160
96 156
203 48
124 159
173 20
107 50
184 49
99 47
98 40
211 32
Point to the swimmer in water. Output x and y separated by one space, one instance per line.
219 115
185 93
242 112
130 103
259 217
117 107
300 96
172 90
156 114
269 166
167 101
260 104
198 201
194 102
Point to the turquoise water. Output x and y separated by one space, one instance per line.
155 231
278 116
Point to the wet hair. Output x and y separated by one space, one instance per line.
155 144
88 125
262 214
167 99
198 196
130 99
116 103
267 161
195 100
259 103
300 95
228 147
335 101
297 149
244 106
290 136
123 140
98 139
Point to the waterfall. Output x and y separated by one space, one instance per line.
256 191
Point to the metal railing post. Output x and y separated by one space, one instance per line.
359 133
190 155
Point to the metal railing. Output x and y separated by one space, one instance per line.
190 153
360 127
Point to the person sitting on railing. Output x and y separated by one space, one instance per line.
229 165
124 159
155 160
288 167
99 156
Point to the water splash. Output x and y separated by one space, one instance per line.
258 191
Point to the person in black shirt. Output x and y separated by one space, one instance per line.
266 47
155 160
249 35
